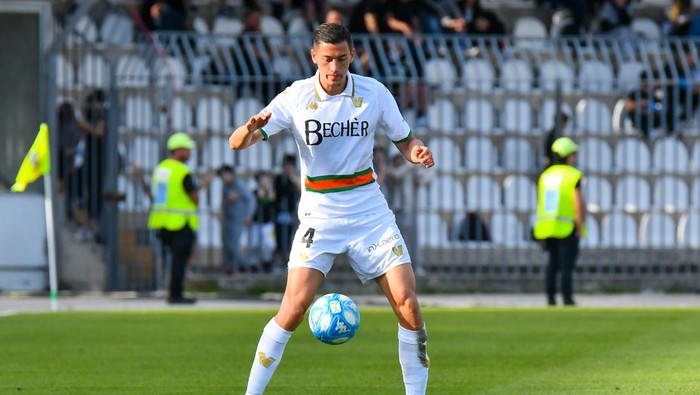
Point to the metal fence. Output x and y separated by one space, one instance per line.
483 105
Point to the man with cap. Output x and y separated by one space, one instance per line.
561 218
174 211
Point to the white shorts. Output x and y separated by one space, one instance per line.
373 243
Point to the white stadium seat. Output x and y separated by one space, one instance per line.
671 156
597 193
671 194
506 229
478 75
618 230
478 116
440 73
595 155
213 115
595 76
517 155
433 230
480 154
442 116
483 193
555 74
689 230
443 193
657 230
633 194
516 116
593 116
519 193
632 155
516 75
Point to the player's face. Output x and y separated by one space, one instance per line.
333 61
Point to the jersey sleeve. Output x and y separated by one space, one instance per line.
281 118
396 127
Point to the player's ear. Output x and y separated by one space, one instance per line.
313 55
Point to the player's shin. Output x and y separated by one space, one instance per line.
267 356
413 356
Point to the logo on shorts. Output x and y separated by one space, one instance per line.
384 242
303 256
398 250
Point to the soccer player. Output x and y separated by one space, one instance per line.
333 117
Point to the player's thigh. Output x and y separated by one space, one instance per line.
302 285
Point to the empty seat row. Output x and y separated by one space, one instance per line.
616 230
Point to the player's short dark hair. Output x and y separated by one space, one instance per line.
331 33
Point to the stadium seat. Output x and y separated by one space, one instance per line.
632 193
271 26
85 30
595 155
117 29
632 155
530 32
517 155
646 28
200 25
670 156
449 153
547 112
695 158
506 229
478 116
555 74
516 116
657 230
93 71
483 193
598 194
215 194
592 238
226 30
671 194
180 115
138 113
480 154
433 230
244 108
213 115
595 76
135 199
258 157
593 116
628 75
170 71
618 229
516 76
132 72
689 230
519 193
442 116
285 145
440 73
695 194
478 75
65 75
216 152
297 26
209 233
442 193
144 152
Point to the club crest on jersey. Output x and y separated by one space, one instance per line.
357 101
398 250
313 106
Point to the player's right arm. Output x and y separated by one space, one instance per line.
249 133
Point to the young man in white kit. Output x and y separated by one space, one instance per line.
333 117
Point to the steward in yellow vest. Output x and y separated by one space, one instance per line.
175 198
561 218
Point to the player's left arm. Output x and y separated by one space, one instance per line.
415 151
580 208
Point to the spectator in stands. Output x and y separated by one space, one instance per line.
92 124
366 17
580 12
68 139
666 97
238 207
334 15
561 122
561 219
164 14
469 17
681 20
615 18
287 192
262 229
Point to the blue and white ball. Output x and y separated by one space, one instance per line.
334 318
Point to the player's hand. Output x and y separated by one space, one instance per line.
422 155
257 121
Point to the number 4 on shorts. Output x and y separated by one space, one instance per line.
308 237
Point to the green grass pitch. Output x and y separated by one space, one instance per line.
473 351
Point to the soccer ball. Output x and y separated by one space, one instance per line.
334 318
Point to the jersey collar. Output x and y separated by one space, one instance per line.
321 95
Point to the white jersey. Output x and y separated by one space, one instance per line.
335 135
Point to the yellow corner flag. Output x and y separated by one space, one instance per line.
36 163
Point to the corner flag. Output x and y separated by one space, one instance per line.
36 163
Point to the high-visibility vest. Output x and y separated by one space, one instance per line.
556 213
172 207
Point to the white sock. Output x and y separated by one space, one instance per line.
413 356
267 356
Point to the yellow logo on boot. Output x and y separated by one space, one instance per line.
265 361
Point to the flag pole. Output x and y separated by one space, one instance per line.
51 241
